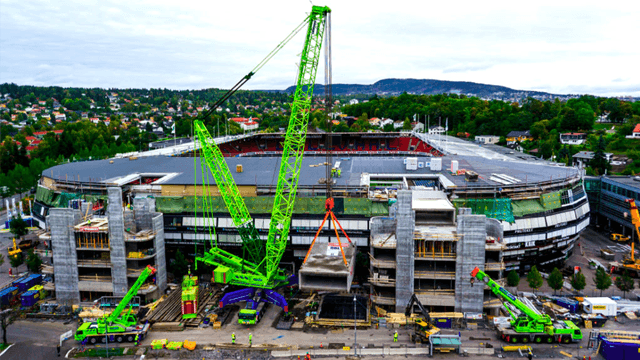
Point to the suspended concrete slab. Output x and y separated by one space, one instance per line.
325 268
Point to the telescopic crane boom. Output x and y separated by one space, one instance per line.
530 326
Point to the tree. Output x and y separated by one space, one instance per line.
5 321
625 283
578 282
534 279
513 279
599 162
18 226
16 260
555 280
33 261
179 267
602 280
406 125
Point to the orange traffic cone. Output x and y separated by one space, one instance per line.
320 345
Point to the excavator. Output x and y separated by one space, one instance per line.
423 328
15 250
630 263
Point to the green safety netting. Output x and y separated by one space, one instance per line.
264 205
551 200
526 207
44 195
499 209
62 199
379 209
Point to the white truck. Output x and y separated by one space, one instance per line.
600 305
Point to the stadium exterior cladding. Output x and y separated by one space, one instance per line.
541 206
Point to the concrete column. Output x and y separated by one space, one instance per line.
470 252
116 240
405 263
161 262
65 259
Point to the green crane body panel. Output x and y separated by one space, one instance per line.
261 270
253 246
531 322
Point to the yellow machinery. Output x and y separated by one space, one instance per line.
630 263
618 237
16 250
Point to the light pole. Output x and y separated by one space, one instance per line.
355 328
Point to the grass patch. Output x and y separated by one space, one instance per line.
100 352
606 126
4 346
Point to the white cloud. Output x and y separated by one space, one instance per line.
559 47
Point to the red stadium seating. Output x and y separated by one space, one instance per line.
350 143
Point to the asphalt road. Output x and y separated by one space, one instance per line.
36 340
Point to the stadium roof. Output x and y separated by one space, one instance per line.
262 171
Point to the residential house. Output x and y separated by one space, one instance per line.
385 122
636 133
583 157
487 139
573 138
417 126
436 130
353 101
398 124
518 136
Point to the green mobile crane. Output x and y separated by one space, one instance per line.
529 326
120 327
258 269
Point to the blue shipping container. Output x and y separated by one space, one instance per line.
8 294
612 350
572 305
29 282
15 282
30 298
443 323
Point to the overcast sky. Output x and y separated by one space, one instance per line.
554 46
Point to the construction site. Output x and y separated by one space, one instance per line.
294 240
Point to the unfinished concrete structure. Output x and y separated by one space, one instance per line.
426 250
96 256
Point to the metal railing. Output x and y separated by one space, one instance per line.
96 262
447 275
382 282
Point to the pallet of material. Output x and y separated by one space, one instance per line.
167 326
401 319
216 324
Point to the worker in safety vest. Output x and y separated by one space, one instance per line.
250 338
395 336
233 338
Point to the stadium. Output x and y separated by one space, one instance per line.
423 210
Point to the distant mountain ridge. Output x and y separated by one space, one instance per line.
423 86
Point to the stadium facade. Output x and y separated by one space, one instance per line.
422 209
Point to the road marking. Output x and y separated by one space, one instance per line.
5 350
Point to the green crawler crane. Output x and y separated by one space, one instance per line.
530 326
